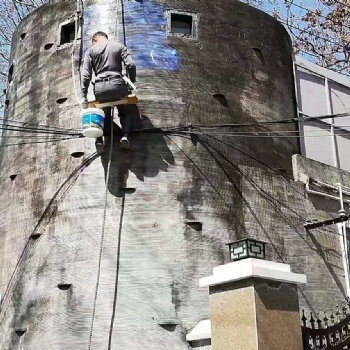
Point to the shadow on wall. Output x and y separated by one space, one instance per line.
321 252
148 156
327 206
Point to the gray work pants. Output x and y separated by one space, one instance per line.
113 89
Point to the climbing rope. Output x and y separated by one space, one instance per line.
76 19
116 29
116 36
103 231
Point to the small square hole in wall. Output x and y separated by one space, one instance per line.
182 24
67 34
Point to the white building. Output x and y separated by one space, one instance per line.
321 91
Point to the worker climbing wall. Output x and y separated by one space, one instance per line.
170 206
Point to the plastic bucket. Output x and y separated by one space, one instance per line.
92 120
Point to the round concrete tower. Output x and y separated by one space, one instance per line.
170 207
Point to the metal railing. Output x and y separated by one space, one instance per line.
327 331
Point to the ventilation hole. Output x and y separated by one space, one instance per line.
13 177
170 327
10 75
67 33
4 91
34 236
77 154
258 54
48 46
64 286
61 100
23 35
127 190
7 102
20 331
221 99
196 225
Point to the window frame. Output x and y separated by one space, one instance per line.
65 23
194 29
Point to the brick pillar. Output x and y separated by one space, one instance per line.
254 306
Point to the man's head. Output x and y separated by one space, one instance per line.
99 36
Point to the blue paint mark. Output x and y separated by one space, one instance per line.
145 27
98 17
149 49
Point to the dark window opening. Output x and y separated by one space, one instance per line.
181 24
23 35
36 235
13 177
67 33
7 102
48 46
61 100
64 286
10 75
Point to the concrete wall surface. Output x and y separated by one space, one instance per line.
152 259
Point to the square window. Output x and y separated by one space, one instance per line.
181 24
67 33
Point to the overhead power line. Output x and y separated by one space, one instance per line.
6 121
278 121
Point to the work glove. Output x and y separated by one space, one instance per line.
84 103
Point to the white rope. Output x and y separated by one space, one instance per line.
102 234
105 209
116 29
73 54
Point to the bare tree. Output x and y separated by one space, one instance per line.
320 29
11 13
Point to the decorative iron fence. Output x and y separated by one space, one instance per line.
332 332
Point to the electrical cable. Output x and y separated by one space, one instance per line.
30 143
307 9
251 135
283 21
41 126
36 130
256 186
44 220
254 215
264 164
278 121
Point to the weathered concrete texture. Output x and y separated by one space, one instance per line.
154 301
315 253
255 314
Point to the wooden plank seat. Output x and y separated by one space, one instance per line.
127 100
